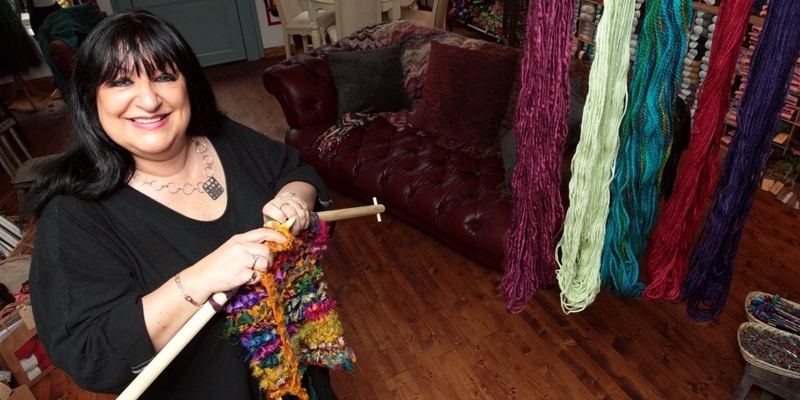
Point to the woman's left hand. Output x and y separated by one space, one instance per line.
288 205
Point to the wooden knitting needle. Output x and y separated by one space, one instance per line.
353 212
211 307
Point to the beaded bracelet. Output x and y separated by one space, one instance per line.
183 292
288 194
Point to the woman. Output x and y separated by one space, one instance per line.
157 204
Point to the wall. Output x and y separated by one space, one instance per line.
271 36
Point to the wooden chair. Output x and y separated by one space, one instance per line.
436 17
296 20
16 158
352 15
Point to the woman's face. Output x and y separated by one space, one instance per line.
147 117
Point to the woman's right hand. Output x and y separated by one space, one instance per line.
232 264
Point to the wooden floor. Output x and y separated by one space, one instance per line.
427 323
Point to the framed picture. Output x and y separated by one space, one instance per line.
272 12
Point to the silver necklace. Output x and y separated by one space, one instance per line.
211 186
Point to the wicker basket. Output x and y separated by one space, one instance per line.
753 295
774 350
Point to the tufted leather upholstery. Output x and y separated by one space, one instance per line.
446 193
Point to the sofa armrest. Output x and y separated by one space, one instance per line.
304 87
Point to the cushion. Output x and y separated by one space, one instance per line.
465 94
508 142
508 150
368 81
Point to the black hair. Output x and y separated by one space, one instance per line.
94 166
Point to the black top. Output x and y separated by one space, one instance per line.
93 261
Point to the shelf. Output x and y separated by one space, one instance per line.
475 28
471 16
706 8
735 124
754 19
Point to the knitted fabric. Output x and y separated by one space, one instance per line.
645 138
330 139
286 321
541 129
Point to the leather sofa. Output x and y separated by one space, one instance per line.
456 197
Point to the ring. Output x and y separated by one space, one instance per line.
253 278
300 206
255 260
284 204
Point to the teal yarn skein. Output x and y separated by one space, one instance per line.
645 140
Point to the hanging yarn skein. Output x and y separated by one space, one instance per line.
707 284
580 248
541 130
645 139
675 230
286 321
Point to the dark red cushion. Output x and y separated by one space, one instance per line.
465 94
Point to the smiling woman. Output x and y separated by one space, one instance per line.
158 203
147 116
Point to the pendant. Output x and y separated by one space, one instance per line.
213 188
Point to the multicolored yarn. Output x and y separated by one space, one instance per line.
707 284
645 140
580 248
541 129
771 346
286 321
330 139
674 234
775 311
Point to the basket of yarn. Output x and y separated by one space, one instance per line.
770 348
773 310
